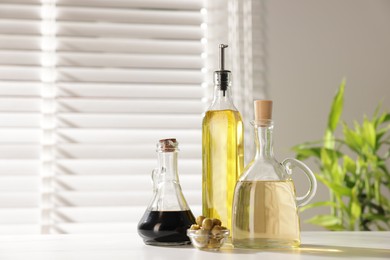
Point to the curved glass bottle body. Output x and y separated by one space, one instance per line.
265 204
222 156
167 218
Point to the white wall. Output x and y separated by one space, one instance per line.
312 45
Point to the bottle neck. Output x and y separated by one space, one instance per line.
222 99
264 142
167 162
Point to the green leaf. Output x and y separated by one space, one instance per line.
336 188
336 108
326 159
337 172
382 119
370 216
329 139
349 164
329 157
355 209
328 221
318 204
380 133
377 191
387 118
353 139
369 133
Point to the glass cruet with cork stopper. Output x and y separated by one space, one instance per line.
168 216
265 204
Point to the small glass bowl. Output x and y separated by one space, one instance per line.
204 240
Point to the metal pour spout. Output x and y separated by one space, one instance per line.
222 76
222 56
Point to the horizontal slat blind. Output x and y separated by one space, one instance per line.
20 119
84 97
139 81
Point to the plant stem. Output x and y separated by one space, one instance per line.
333 199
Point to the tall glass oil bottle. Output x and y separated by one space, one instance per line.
222 148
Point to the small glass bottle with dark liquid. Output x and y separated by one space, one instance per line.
168 216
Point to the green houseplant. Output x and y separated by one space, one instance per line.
353 168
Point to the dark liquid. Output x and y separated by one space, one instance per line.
165 227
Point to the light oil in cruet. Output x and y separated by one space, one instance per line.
267 215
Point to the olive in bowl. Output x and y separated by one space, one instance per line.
207 234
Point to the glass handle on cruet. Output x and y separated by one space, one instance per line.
289 164
155 177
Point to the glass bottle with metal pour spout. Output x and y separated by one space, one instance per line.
168 216
265 204
222 148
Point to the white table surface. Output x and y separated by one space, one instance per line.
315 245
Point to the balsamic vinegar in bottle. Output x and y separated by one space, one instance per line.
167 218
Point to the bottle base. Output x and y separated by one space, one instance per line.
265 243
155 243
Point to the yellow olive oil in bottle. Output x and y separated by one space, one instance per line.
222 149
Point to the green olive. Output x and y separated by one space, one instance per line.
199 220
201 232
207 224
214 243
202 238
194 227
216 230
216 222
208 232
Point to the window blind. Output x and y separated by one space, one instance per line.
20 118
87 88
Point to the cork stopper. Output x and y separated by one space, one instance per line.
167 145
263 110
